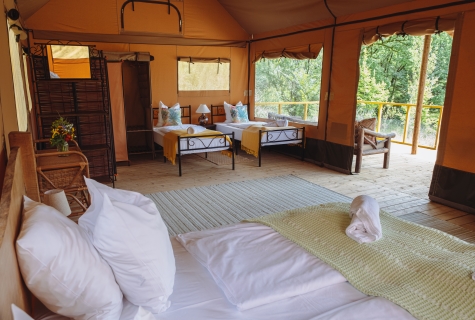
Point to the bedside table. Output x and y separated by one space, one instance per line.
210 126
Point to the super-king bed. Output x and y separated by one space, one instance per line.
178 138
253 135
240 271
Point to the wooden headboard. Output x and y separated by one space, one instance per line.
20 179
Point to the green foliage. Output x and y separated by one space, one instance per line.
389 72
288 80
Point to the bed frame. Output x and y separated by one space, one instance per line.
199 143
269 137
20 179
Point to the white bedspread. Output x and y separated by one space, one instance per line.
196 296
254 265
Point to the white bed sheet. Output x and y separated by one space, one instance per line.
280 268
196 296
238 129
159 133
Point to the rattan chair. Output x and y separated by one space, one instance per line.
64 170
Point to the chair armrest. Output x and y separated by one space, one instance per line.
378 134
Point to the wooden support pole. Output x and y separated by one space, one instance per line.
420 93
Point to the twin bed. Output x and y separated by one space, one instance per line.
194 143
241 271
224 137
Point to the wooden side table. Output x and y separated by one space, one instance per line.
64 170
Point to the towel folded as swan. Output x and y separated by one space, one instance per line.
365 225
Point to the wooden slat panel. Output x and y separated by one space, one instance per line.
13 288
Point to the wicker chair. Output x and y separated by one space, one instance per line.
367 144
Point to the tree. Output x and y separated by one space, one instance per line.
289 80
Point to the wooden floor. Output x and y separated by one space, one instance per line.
402 189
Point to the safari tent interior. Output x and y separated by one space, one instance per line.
130 64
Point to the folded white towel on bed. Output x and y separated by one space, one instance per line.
365 225
195 129
277 123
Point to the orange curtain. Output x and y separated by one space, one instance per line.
117 107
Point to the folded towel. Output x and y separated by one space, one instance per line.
195 129
277 123
365 225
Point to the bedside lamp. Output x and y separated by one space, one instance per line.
203 119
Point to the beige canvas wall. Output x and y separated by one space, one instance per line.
7 93
458 128
164 70
202 19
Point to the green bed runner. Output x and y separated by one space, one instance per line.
425 271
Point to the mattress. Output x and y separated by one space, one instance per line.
238 128
195 143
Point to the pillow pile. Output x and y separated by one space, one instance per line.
169 116
120 247
128 231
368 124
237 113
62 268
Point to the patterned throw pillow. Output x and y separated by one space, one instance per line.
239 114
234 114
242 113
169 116
368 124
174 116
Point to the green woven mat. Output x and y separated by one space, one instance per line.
425 271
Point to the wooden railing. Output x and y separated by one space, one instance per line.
281 103
408 107
379 106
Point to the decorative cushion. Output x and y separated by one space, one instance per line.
169 116
370 124
227 110
239 114
62 268
128 231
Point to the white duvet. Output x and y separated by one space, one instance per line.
254 265
166 129
244 125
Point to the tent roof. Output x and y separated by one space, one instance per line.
268 15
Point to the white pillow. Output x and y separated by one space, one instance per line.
227 110
129 233
162 107
61 267
19 314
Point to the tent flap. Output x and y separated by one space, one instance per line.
299 53
413 28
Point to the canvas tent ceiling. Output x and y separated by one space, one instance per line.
267 15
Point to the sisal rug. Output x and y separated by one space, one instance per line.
220 159
201 208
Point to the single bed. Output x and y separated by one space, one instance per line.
205 141
269 137
252 272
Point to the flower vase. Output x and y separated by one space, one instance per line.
63 147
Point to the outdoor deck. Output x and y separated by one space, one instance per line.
401 189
